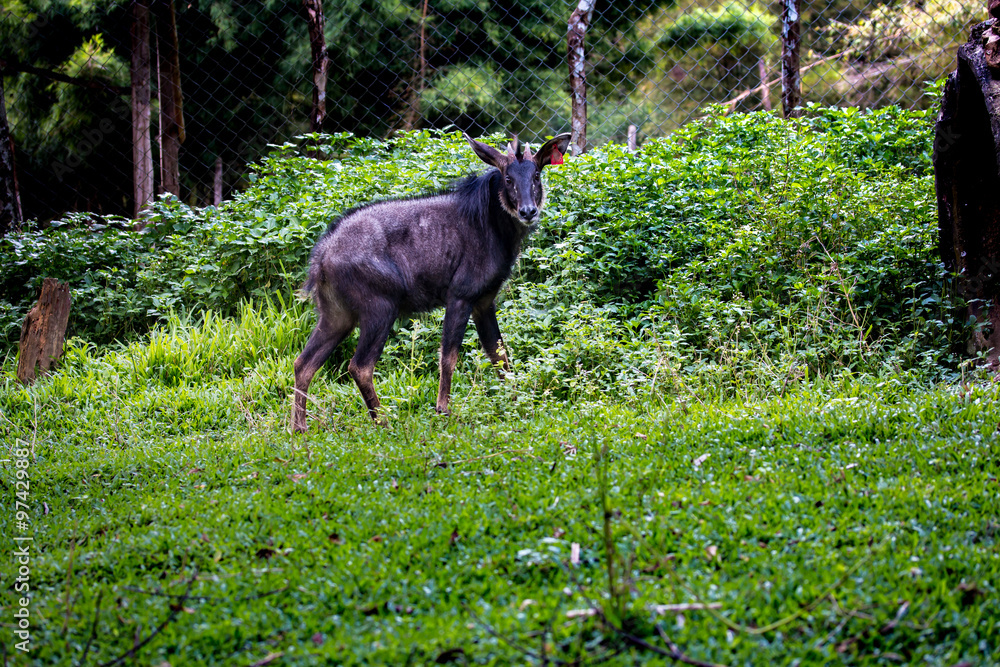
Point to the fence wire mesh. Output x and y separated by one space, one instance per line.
246 73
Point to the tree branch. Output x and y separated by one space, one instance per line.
93 84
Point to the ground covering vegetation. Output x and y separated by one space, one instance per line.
737 387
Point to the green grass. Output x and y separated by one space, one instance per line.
166 464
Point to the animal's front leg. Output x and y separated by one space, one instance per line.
485 317
456 317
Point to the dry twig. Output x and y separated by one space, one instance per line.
174 610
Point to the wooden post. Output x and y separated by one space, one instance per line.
142 147
632 142
579 21
44 331
791 77
966 160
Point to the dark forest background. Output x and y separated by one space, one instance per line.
246 75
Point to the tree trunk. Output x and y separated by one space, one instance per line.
765 91
966 161
413 112
579 21
217 182
44 331
171 100
10 199
791 77
142 148
317 42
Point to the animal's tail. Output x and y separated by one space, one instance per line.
308 289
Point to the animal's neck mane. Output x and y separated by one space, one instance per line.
479 201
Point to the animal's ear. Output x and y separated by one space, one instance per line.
488 154
553 150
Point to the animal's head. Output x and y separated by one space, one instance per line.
521 191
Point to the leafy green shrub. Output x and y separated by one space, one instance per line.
811 243
742 250
102 262
631 219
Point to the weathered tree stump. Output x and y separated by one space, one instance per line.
967 173
44 331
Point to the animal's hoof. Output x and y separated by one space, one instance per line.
444 412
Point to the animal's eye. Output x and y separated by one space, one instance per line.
538 176
508 180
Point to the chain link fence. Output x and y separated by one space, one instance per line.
249 75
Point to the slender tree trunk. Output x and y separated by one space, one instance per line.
765 91
10 199
142 148
413 113
317 42
791 78
171 100
579 21
217 182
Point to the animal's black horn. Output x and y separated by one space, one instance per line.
516 149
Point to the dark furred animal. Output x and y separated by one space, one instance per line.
391 258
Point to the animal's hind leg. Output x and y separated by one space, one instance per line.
376 324
328 334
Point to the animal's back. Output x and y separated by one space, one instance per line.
405 250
